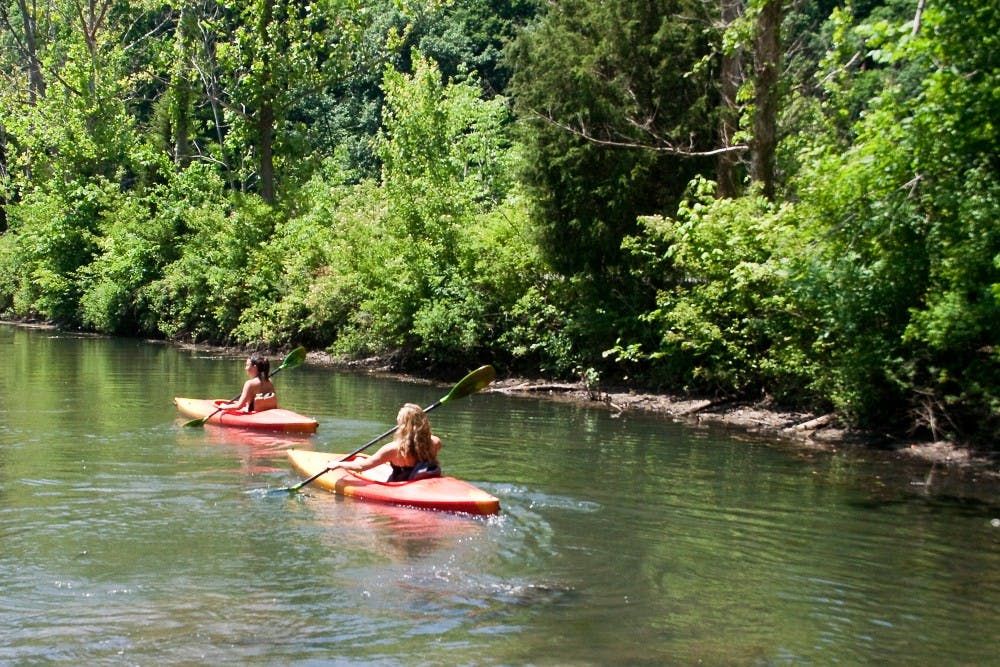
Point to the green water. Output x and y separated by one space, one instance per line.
128 539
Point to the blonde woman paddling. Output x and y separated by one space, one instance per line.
412 454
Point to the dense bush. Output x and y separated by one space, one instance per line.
53 235
726 321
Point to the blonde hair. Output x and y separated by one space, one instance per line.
414 435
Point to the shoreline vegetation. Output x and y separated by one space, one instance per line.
939 471
797 202
825 432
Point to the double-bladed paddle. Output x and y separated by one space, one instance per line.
294 358
470 384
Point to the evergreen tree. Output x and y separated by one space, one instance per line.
618 102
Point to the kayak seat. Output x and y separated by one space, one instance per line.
422 470
425 470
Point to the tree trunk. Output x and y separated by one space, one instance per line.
182 84
4 173
265 114
767 59
265 127
36 82
730 75
28 43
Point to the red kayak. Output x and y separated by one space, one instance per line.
437 493
276 419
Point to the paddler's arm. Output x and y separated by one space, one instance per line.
244 399
383 455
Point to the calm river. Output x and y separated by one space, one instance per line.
127 539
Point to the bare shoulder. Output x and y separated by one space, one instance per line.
390 446
386 451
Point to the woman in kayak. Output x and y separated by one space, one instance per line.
258 392
412 452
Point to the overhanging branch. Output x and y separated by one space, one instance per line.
658 144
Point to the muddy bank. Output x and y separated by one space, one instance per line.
805 430
821 432
938 473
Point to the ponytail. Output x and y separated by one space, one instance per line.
263 366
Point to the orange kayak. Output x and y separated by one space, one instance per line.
437 493
271 420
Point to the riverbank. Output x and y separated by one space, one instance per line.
796 429
823 432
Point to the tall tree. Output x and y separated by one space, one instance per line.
901 196
183 84
23 30
620 107
273 53
20 23
767 72
730 80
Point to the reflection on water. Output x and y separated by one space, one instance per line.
398 534
250 439
126 538
429 574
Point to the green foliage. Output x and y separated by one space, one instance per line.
875 290
344 116
204 292
52 236
311 265
470 36
408 265
409 224
138 238
75 124
899 277
725 320
868 267
443 157
129 249
548 326
953 373
613 91
470 311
